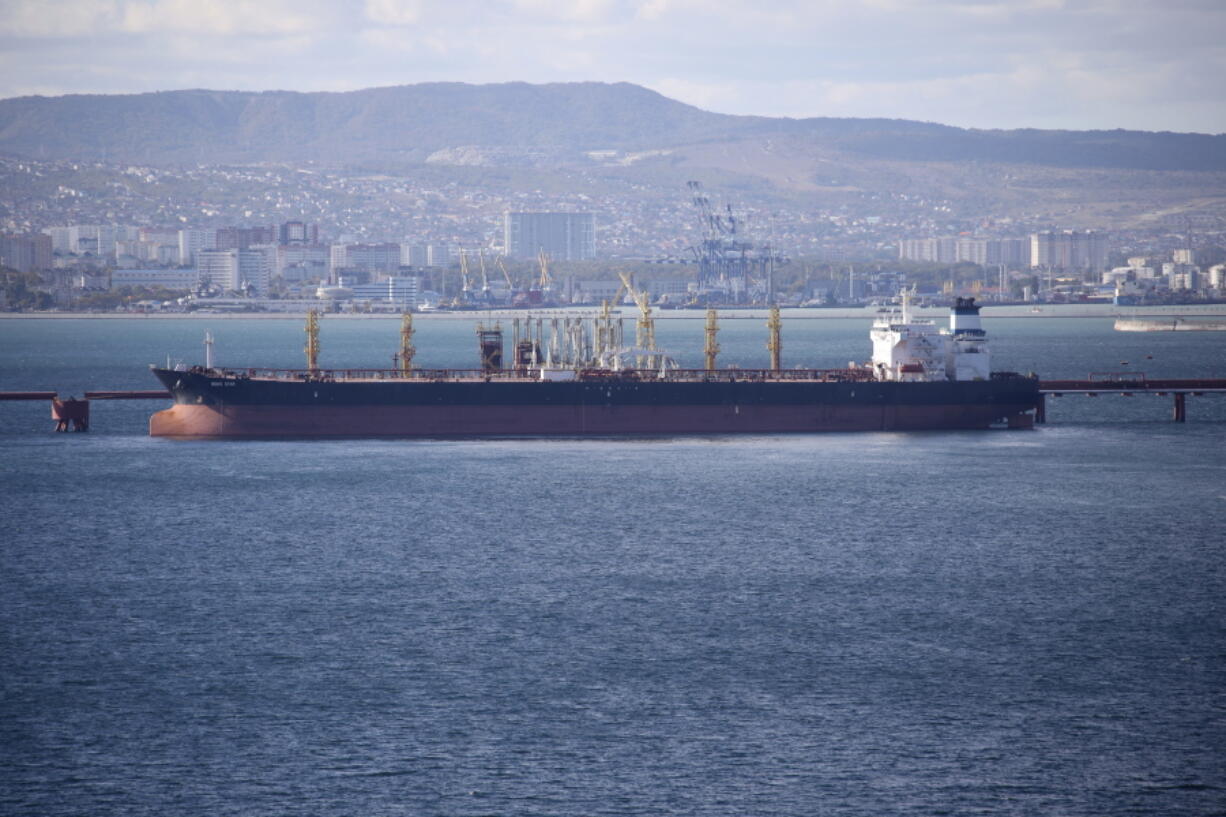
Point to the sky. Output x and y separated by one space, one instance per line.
1076 64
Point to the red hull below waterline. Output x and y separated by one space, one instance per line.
269 422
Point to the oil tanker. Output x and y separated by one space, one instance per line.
575 377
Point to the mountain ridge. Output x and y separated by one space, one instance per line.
561 122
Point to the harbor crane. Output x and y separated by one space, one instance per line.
466 286
502 266
485 280
546 280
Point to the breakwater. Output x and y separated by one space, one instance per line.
1169 325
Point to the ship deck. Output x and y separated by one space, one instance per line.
525 376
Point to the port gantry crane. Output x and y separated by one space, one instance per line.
724 256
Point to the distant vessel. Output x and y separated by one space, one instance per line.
583 381
1171 325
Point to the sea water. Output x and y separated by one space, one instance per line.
1024 622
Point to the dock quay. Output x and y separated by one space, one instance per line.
1128 384
71 413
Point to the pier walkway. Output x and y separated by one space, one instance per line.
1129 384
74 412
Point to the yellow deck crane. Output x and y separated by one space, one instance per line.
312 343
712 347
775 343
606 338
405 357
644 330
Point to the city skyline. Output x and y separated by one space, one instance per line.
1098 64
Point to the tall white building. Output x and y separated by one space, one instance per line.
369 257
96 239
438 255
1069 250
413 255
193 241
1217 276
425 255
24 253
302 262
564 236
401 291
234 270
177 279
982 251
63 239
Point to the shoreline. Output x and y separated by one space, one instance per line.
753 313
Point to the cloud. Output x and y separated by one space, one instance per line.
393 12
706 95
74 18
77 18
1051 63
652 9
215 16
389 40
1105 93
588 11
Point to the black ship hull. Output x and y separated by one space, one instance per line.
214 406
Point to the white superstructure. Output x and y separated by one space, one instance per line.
906 348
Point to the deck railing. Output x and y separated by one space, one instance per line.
584 375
